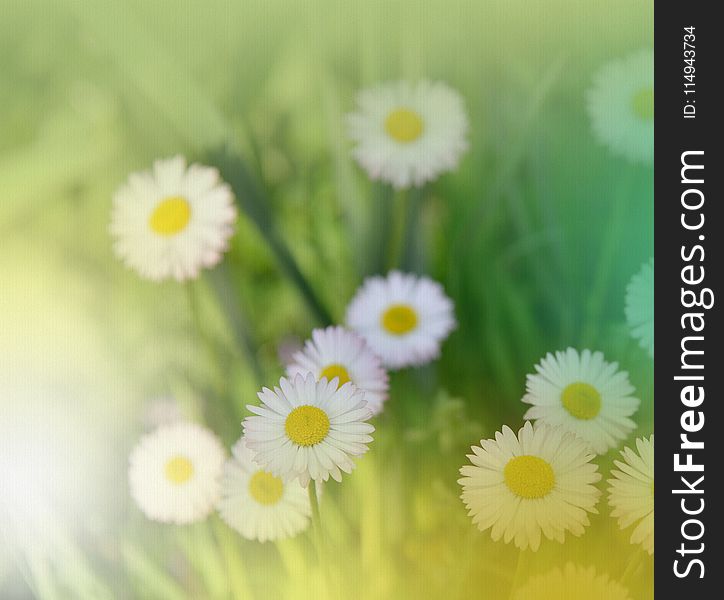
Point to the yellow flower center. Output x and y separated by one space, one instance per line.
170 216
581 400
404 125
399 319
179 470
307 425
642 104
529 476
265 488
336 370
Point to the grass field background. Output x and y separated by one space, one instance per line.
534 237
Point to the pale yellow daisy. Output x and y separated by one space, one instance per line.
585 394
640 306
259 505
173 220
621 106
572 583
540 482
174 473
631 494
408 134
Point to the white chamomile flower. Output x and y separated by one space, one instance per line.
174 473
337 352
404 318
172 221
408 134
540 481
640 306
584 394
631 494
259 505
573 583
309 429
621 106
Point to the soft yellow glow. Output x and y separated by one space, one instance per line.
399 319
31 471
581 400
529 476
63 407
43 470
171 216
404 125
307 425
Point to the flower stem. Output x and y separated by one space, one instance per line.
610 252
632 567
521 570
290 267
222 286
412 255
404 246
194 309
397 231
380 228
234 564
323 556
316 519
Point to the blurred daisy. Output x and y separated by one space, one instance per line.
308 429
162 410
336 352
172 221
404 318
640 306
174 473
541 481
621 106
631 494
408 134
573 583
287 348
259 505
584 394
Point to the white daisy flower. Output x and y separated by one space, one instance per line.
573 583
541 481
259 505
631 494
403 318
172 221
337 352
621 106
584 394
408 134
174 473
308 429
640 306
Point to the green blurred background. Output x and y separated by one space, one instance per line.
534 238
